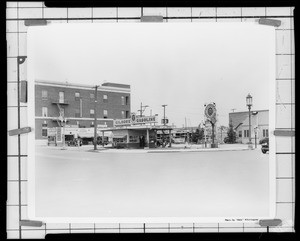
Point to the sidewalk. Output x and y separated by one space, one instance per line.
174 148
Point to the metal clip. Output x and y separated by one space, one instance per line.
270 222
35 22
157 18
31 223
284 133
271 22
23 91
20 131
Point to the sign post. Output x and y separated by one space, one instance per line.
210 112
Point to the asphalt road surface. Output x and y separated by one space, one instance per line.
182 184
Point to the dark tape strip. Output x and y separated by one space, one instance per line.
35 22
31 223
270 222
19 131
271 22
23 91
152 19
284 133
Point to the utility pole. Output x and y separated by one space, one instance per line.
95 120
142 110
164 106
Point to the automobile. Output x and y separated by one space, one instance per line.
74 142
226 140
264 145
264 140
265 148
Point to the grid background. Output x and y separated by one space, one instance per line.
16 31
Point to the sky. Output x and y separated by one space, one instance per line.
182 65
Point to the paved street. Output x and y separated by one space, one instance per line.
77 182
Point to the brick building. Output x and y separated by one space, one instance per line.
259 123
76 104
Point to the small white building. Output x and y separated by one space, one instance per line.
259 125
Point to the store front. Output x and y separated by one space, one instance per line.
137 132
137 136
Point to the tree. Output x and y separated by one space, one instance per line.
198 135
231 135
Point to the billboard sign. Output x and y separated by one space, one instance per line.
134 120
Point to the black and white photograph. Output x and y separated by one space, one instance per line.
151 122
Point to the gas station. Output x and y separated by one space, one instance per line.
137 132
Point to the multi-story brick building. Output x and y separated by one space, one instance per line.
259 124
76 103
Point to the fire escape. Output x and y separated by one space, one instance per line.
59 103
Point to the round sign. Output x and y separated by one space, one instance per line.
133 118
210 111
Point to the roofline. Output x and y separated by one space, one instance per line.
247 111
136 128
80 86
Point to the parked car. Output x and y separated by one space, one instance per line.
74 142
264 145
264 140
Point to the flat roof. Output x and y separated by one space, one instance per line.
104 87
239 112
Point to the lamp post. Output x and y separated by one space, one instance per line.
249 104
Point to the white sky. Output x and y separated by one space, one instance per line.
183 65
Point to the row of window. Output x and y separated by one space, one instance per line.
246 133
124 99
124 114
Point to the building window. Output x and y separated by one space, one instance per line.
61 95
92 124
127 100
62 112
246 133
127 114
105 113
240 133
44 94
105 98
92 113
265 133
44 111
92 96
77 95
123 100
123 114
77 113
44 129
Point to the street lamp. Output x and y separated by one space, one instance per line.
249 104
